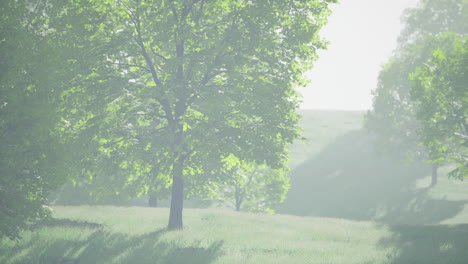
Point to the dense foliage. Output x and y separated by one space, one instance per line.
440 90
421 99
32 156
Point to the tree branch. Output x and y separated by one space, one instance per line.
131 65
461 135
207 78
139 40
157 54
129 12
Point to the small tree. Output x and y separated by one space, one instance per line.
255 188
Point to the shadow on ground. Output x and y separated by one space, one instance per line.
348 179
428 244
104 247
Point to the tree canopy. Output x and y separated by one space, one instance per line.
420 102
439 88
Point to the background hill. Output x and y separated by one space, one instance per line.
339 173
320 128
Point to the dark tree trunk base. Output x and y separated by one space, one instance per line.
177 204
434 175
153 201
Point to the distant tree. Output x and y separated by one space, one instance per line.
208 79
393 117
255 188
440 92
431 17
396 117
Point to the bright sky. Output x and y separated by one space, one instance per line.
362 35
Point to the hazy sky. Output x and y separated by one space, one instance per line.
362 35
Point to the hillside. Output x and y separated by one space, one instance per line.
338 173
83 235
320 128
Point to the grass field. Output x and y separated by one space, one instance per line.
347 204
137 235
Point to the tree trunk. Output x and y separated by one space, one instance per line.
177 192
153 201
238 204
434 175
177 203
238 199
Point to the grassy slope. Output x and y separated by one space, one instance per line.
321 127
342 175
137 235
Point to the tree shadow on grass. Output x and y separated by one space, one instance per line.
62 222
349 180
102 246
428 244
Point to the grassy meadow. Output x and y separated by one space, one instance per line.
347 204
83 234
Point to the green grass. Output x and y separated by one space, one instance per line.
138 235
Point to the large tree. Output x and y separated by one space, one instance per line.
396 118
209 79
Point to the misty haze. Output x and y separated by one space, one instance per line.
233 131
